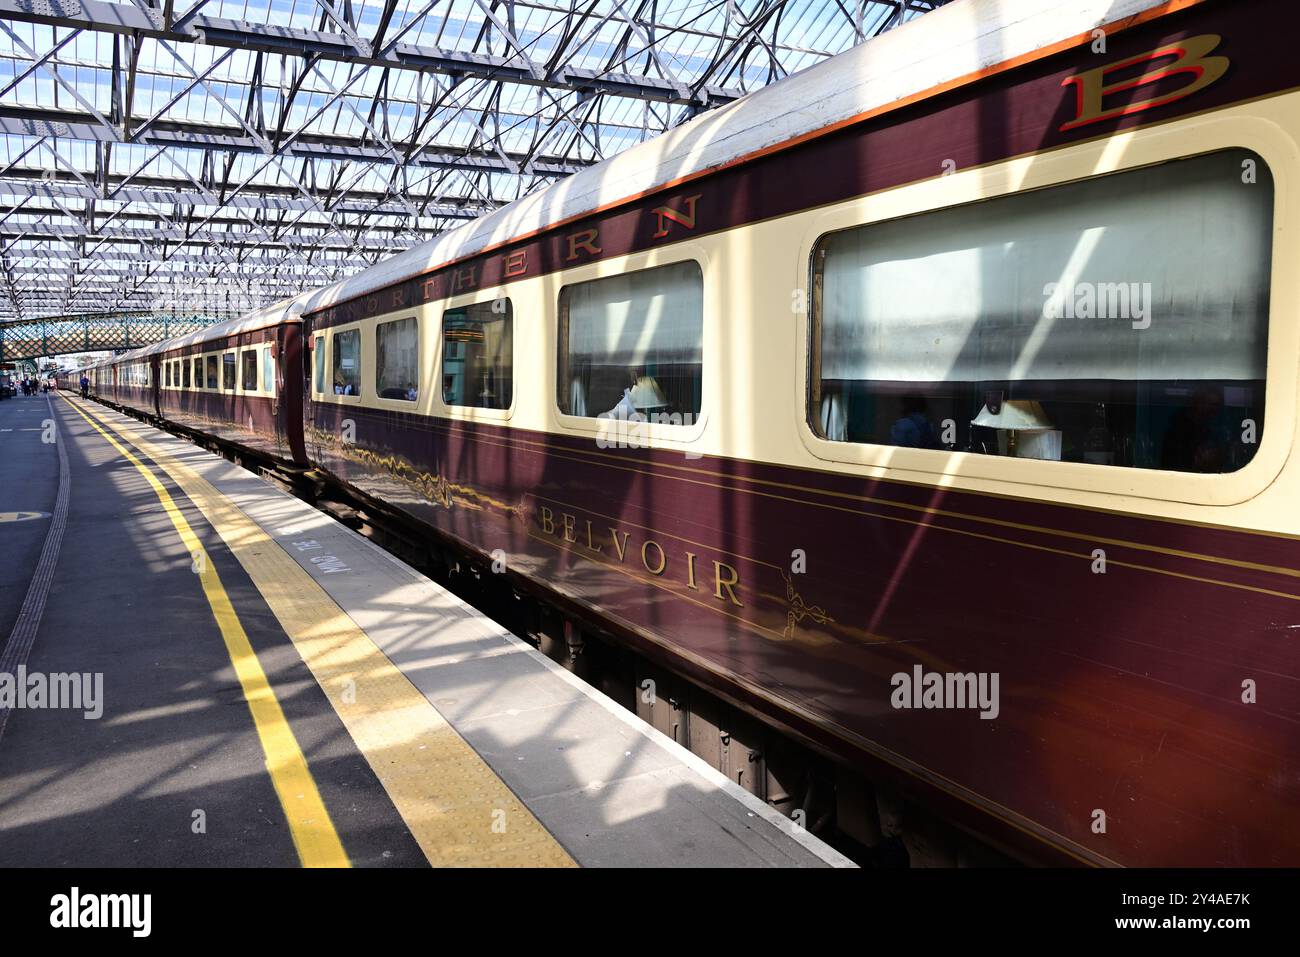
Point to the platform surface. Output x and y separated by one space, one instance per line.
276 690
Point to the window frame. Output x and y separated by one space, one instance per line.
244 354
478 297
1044 171
400 405
362 391
652 434
319 360
224 354
268 373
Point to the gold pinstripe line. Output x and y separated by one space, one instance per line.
614 460
928 510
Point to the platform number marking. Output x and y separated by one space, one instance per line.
329 564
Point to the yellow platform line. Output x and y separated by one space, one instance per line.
457 809
313 833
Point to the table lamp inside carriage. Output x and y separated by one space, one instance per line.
1023 428
646 396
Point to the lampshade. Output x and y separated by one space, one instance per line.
1015 414
646 394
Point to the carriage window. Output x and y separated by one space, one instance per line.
347 362
185 372
1122 320
319 359
268 371
634 344
212 372
478 355
397 374
249 373
167 381
228 372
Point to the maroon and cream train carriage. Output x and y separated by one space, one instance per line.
971 352
239 381
69 380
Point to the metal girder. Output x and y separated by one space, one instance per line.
80 126
329 239
178 191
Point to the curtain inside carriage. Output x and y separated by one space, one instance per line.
621 331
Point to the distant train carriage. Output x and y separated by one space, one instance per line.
934 405
225 381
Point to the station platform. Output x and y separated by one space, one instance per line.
240 680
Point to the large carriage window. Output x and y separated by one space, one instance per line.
268 371
167 381
319 359
228 372
397 374
478 355
347 362
1122 320
212 372
634 344
249 371
185 372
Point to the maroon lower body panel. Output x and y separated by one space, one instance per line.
136 398
251 421
1124 697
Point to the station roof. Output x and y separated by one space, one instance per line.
225 154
